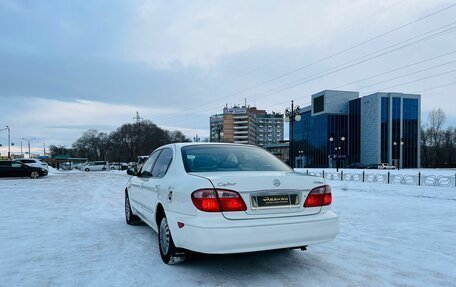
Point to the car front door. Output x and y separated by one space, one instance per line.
19 170
134 191
153 185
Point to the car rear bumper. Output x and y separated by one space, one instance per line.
217 235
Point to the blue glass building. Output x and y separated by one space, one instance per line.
340 127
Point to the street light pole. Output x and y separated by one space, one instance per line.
219 133
9 140
29 140
292 115
337 150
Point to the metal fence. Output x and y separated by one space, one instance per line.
386 177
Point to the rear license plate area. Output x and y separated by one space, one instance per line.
274 201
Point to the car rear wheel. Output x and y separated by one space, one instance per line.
130 218
34 174
168 251
86 169
103 169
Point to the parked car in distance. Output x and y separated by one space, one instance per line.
356 165
140 161
10 168
227 198
386 166
33 162
380 166
118 166
96 166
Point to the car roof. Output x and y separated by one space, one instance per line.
180 145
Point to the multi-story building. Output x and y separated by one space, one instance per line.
246 125
341 128
216 128
269 129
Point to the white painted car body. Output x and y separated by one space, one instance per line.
254 229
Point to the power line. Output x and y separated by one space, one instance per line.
436 87
395 70
406 75
421 79
358 61
364 94
327 57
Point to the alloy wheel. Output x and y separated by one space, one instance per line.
164 236
127 208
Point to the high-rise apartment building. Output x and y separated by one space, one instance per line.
246 125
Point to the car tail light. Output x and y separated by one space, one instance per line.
211 200
206 200
319 196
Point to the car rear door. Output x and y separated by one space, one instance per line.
152 186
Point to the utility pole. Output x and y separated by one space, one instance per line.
9 140
29 140
44 149
21 149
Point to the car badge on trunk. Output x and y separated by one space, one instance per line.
223 184
276 182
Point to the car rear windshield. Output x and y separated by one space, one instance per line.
213 158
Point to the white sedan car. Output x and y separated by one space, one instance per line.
34 162
226 198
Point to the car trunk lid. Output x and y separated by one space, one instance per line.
267 194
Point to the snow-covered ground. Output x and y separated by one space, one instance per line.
68 229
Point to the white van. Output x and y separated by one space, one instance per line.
96 166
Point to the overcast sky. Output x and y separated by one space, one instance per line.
67 66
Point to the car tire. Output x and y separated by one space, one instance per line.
103 169
86 169
168 251
34 174
130 218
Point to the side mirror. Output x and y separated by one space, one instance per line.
132 171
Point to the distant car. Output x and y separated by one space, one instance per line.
227 198
10 168
119 166
96 166
356 165
380 166
33 162
386 166
141 160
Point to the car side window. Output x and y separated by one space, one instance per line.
163 162
16 165
146 170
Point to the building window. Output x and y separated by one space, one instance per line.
318 104
384 131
